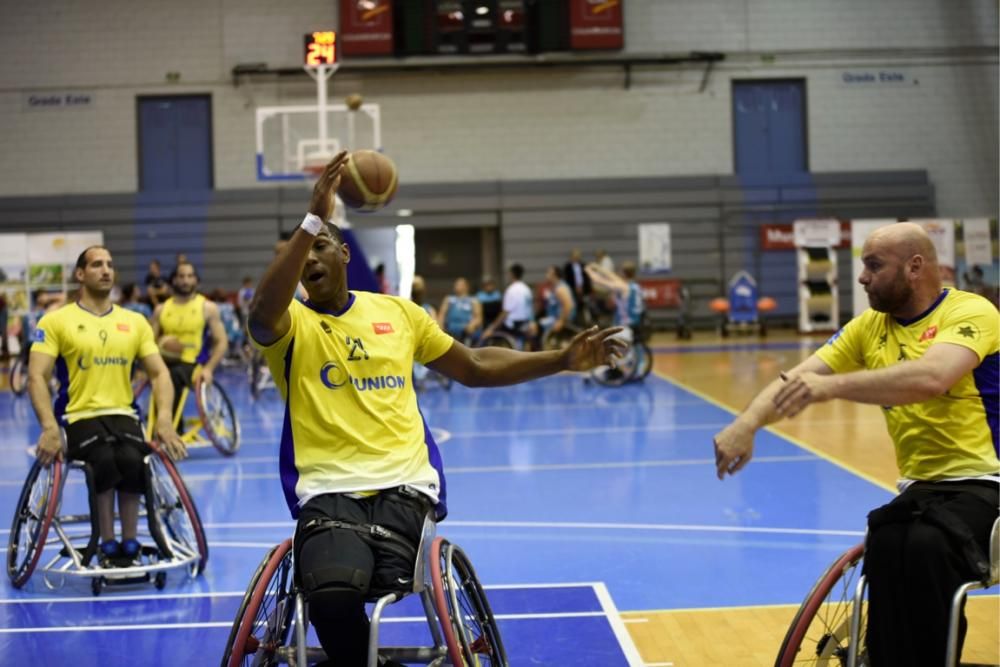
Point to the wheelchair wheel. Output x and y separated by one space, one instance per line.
644 363
173 519
820 632
18 378
35 510
265 615
218 418
470 629
500 339
255 373
625 370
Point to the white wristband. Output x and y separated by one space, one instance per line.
312 224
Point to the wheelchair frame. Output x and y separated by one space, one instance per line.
841 640
180 542
443 577
190 429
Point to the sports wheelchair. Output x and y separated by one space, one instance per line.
272 622
172 524
211 421
634 366
258 374
830 625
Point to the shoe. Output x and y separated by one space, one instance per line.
109 552
131 551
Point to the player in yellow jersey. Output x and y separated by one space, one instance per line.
91 345
355 451
929 357
189 330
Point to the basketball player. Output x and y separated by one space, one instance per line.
91 344
184 325
355 450
928 356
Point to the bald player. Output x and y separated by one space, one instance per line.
929 357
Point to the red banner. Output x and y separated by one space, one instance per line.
782 237
596 24
661 292
366 27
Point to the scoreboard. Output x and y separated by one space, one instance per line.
473 27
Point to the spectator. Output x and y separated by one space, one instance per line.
576 277
130 300
157 289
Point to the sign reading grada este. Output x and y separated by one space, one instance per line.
65 99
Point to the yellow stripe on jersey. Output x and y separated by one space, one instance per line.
186 321
351 417
949 436
94 356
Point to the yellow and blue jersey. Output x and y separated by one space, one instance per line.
351 423
951 436
94 356
187 322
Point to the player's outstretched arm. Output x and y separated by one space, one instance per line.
220 341
269 319
734 444
39 373
495 366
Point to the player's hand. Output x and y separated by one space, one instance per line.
799 391
557 326
591 348
733 448
170 441
322 202
49 446
206 376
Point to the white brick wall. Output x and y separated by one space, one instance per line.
517 124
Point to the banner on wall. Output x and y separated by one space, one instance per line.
654 248
14 272
52 258
978 247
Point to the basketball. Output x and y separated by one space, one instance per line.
171 347
368 181
353 101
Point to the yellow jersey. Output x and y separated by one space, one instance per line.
352 424
94 356
951 436
186 321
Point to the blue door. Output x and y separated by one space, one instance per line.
175 143
769 128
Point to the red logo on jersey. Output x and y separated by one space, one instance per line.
382 327
929 334
123 327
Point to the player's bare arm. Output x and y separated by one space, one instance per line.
220 342
269 319
494 366
49 445
734 444
900 384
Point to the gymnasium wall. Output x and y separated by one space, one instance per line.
584 136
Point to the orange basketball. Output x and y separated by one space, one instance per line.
766 304
368 181
719 305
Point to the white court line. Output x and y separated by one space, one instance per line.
621 633
569 525
466 470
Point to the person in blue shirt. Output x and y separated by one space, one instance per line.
490 299
461 316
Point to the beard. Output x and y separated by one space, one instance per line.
892 298
187 290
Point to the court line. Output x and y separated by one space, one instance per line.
615 619
781 434
228 594
464 470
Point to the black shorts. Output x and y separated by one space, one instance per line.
388 569
114 448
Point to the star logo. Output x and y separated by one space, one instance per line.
968 330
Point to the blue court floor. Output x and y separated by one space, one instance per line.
573 501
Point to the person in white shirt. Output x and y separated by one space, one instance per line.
517 315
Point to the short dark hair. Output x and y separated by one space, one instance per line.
185 263
517 271
335 232
557 272
81 261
